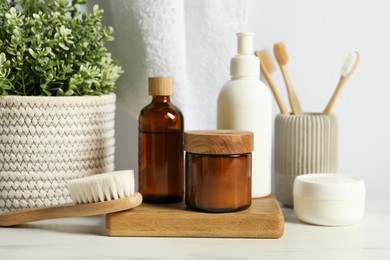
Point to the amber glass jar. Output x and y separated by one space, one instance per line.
218 170
161 162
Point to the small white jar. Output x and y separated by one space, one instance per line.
329 199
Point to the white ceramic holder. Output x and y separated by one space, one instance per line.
303 144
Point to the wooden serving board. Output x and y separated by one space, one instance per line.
264 219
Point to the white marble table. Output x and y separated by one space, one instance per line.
83 238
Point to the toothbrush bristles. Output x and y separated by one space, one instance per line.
348 64
266 59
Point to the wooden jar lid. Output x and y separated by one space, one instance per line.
160 86
218 142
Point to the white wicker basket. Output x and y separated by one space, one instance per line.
46 141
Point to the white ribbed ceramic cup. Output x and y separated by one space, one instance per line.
303 144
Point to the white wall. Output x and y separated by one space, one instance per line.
318 35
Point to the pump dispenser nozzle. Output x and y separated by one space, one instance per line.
245 43
245 63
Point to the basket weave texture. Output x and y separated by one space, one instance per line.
46 141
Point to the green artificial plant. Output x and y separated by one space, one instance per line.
50 48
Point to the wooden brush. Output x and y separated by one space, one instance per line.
267 66
93 195
282 58
347 70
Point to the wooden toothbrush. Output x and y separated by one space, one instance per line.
347 70
282 58
267 66
93 195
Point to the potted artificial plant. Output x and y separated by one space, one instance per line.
56 100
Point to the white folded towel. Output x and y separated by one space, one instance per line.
191 40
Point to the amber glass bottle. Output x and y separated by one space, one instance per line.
160 168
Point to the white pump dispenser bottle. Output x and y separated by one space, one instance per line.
245 103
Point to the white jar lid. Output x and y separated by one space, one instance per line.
329 186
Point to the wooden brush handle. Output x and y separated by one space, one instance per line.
69 210
274 90
292 96
336 93
340 85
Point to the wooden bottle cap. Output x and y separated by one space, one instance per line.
218 142
160 86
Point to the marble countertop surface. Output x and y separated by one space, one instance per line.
85 238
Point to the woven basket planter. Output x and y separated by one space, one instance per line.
46 141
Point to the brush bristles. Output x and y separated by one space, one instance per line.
266 59
102 187
281 53
348 64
